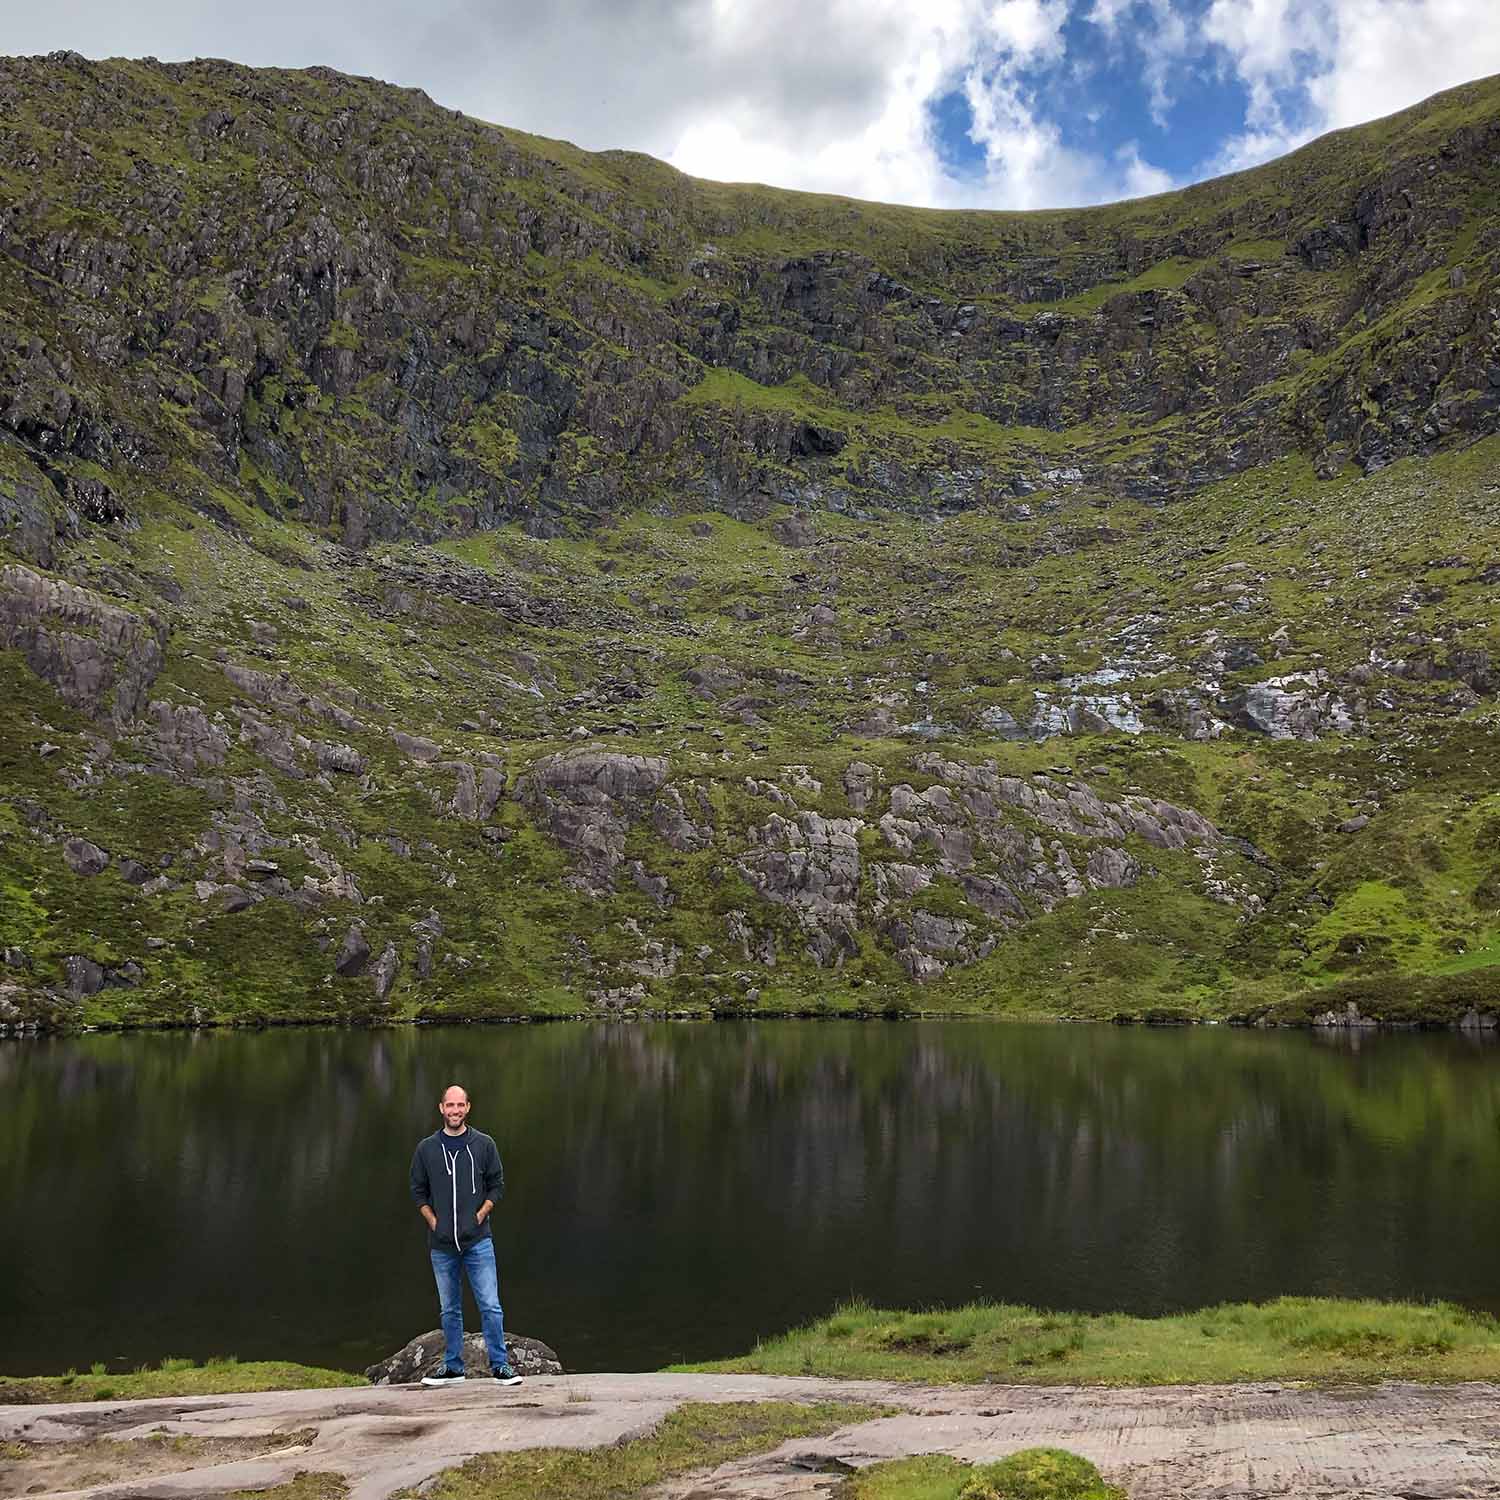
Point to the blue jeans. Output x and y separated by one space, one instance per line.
484 1281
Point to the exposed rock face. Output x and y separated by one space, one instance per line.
100 658
424 1356
353 954
474 503
811 863
1294 709
475 794
587 799
383 975
346 163
416 746
185 738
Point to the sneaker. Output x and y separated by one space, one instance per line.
505 1375
450 1376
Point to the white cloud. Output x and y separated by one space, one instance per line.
1392 53
1314 65
835 95
831 95
980 46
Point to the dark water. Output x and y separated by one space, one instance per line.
677 1191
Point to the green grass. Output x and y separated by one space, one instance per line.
699 1435
172 1377
1031 1474
461 607
303 1487
1291 1338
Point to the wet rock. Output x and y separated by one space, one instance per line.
424 1356
1293 708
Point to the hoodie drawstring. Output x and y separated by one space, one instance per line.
451 1165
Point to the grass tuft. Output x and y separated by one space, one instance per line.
1298 1338
697 1436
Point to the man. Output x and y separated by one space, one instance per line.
456 1180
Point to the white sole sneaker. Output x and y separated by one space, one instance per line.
443 1379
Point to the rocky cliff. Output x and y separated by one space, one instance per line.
450 573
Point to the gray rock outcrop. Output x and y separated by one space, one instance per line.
100 657
587 799
424 1356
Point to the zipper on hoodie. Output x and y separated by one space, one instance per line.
450 1164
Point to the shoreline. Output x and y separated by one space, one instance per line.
1480 1025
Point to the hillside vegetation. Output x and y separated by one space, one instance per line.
448 574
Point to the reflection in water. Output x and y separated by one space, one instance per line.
677 1191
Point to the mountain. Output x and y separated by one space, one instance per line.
451 574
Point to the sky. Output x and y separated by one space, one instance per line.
943 103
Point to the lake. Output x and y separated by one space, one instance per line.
677 1190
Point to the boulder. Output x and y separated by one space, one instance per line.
860 780
354 953
85 858
344 759
794 531
415 746
424 1356
85 977
383 975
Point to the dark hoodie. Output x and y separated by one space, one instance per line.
454 1185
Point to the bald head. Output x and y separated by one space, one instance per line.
454 1108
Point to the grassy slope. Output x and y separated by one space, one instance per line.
173 1377
1291 1338
1414 892
945 619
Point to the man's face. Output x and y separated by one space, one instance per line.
455 1108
